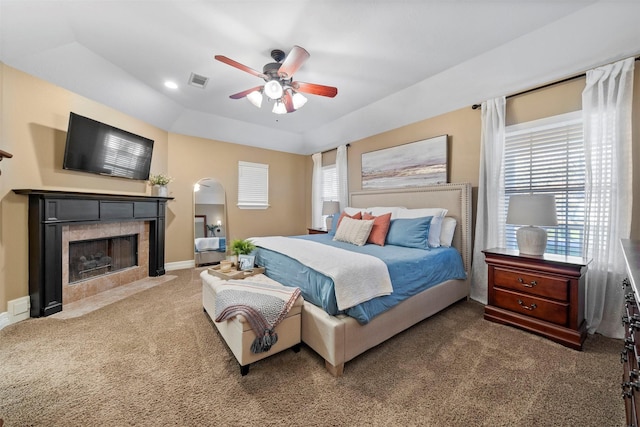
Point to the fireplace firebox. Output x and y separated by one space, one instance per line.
97 257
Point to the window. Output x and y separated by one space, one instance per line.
253 185
547 157
329 183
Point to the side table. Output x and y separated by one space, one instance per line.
541 294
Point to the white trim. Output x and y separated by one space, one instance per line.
4 320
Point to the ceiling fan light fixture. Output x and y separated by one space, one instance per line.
279 108
255 98
298 100
273 89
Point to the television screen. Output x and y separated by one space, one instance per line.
96 147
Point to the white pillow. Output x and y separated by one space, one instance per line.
354 231
448 228
352 211
434 232
381 210
419 213
436 222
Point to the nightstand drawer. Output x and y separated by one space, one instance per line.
549 311
544 286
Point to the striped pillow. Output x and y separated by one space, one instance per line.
353 231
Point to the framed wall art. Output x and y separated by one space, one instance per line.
415 164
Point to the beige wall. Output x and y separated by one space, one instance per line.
33 123
191 159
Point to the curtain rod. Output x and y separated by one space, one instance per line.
568 79
331 149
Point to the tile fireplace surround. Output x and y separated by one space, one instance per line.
56 217
94 285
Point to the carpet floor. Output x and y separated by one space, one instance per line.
155 358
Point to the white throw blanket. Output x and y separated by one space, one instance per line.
357 277
207 243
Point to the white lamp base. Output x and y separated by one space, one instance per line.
531 240
329 222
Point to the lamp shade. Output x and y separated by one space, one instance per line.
330 207
532 209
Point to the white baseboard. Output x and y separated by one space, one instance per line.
4 320
179 265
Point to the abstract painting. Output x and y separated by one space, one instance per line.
409 165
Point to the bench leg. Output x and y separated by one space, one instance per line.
244 370
296 348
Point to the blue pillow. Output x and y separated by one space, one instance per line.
410 232
334 224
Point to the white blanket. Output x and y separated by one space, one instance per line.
207 243
357 277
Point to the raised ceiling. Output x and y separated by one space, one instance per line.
393 62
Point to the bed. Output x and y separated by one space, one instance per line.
209 250
340 335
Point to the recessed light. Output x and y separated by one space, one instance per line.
171 85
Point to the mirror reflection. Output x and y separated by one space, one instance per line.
209 222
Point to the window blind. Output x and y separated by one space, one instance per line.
329 183
253 185
547 157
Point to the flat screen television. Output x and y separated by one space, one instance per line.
99 148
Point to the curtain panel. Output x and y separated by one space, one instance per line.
606 107
342 171
316 192
490 192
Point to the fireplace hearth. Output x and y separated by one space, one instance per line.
51 212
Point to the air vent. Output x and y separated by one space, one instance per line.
198 81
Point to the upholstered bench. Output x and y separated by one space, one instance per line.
237 331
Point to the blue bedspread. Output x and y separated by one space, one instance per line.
411 270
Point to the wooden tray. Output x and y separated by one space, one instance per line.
234 274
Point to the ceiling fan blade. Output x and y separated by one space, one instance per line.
315 89
239 66
288 102
293 62
244 93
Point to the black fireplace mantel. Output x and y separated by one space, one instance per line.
50 210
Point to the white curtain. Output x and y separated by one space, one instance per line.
342 172
606 107
316 192
490 192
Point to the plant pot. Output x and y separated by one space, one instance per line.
160 191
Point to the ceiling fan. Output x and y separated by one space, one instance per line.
279 85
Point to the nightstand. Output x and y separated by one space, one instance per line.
317 231
541 294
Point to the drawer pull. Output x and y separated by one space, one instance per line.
527 307
531 284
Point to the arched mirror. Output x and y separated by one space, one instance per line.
209 222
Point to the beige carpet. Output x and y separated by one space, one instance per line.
154 359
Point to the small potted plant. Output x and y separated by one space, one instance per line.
241 247
159 184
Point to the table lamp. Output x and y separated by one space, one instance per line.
329 208
532 211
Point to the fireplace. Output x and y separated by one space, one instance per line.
58 217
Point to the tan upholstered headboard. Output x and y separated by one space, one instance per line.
454 197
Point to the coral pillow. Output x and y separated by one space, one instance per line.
357 215
380 228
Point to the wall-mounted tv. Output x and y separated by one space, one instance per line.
96 147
